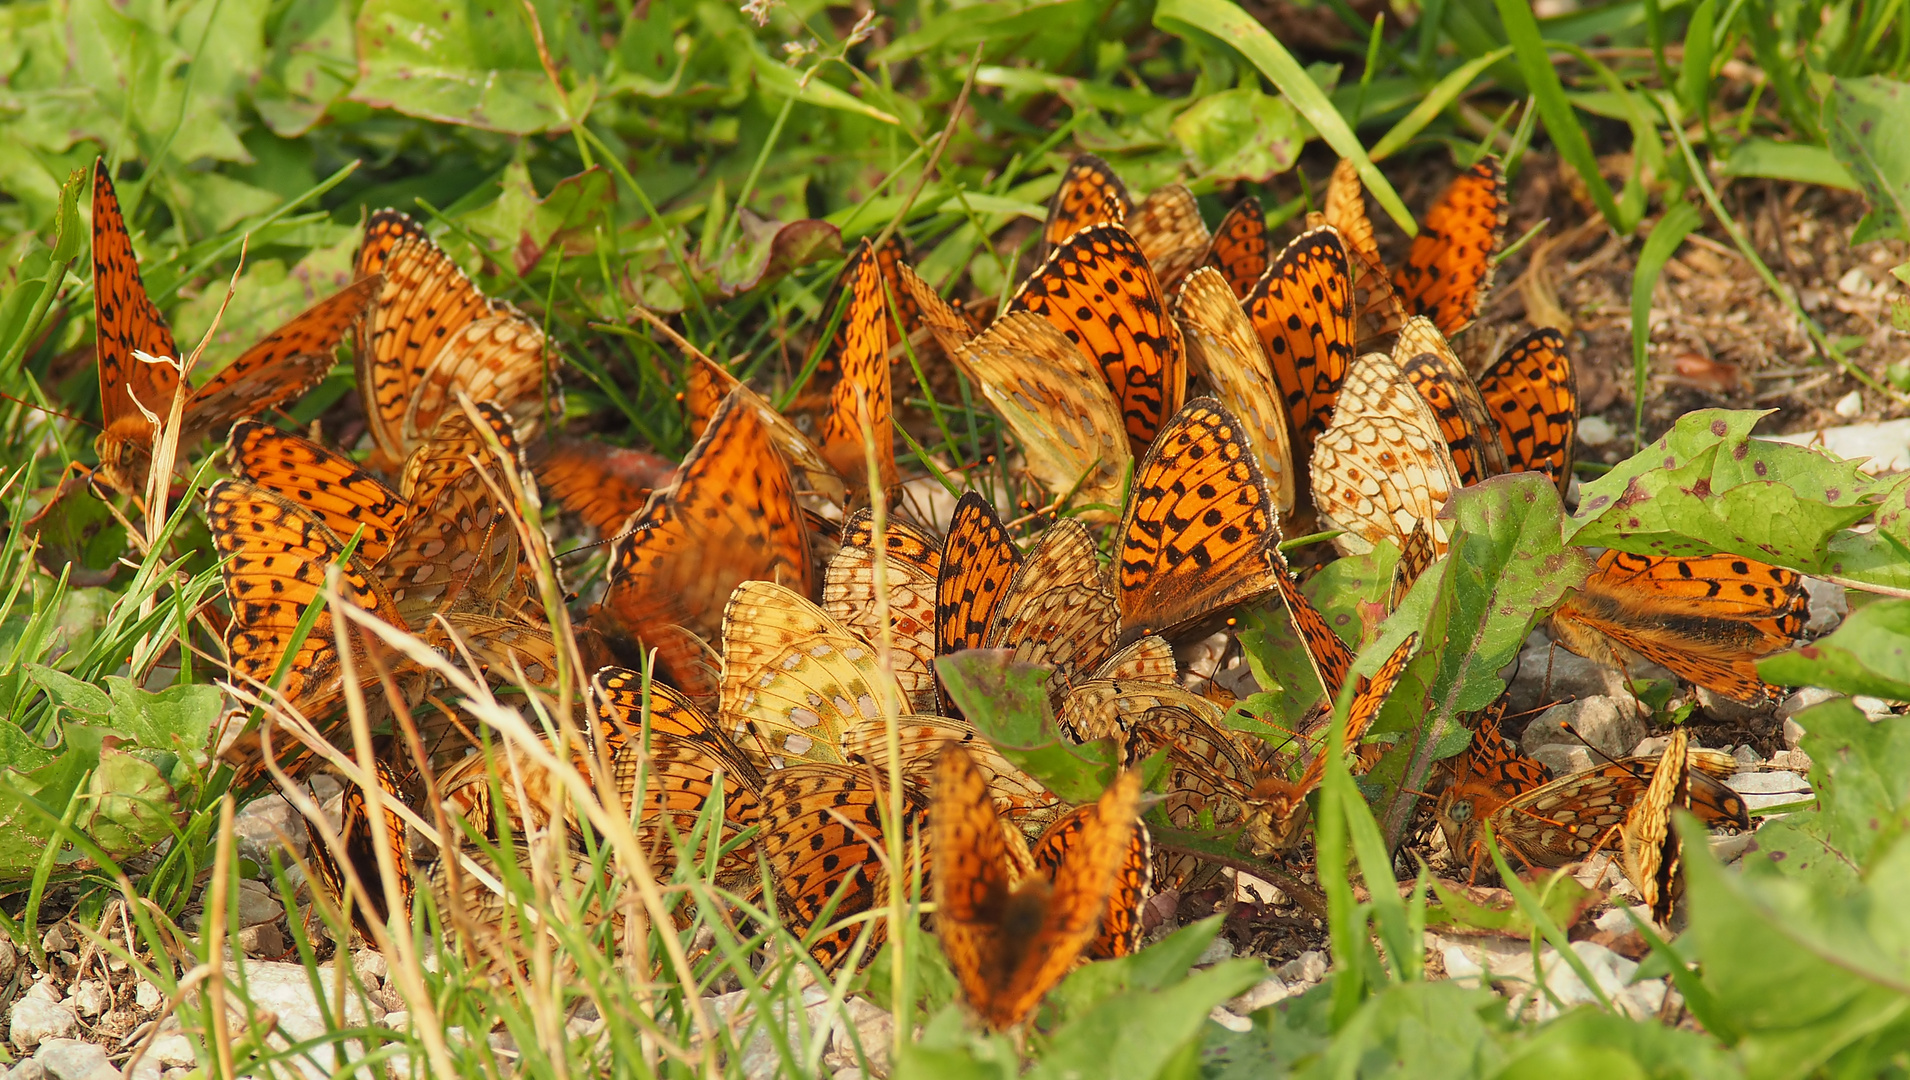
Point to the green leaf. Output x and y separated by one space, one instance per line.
455 63
784 81
1708 486
76 694
1861 773
1240 134
178 719
1564 902
68 229
1868 654
1007 701
1134 1035
312 61
1594 1045
1660 246
1418 1029
1867 122
1225 21
24 831
526 226
132 805
1799 162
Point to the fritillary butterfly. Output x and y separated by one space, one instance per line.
1172 235
1223 348
1651 849
1302 308
1056 402
601 484
1010 942
1448 270
912 569
1380 311
861 397
708 384
1708 619
1098 289
1090 194
1149 659
1331 658
355 829
729 516
1532 393
323 481
279 369
1429 363
1381 469
821 834
1058 610
1240 249
1060 846
950 326
1195 537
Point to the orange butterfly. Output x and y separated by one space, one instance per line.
1533 394
1302 308
822 836
1240 248
1011 932
979 559
707 384
1332 660
1172 235
279 369
1098 289
1223 349
1429 363
1089 194
861 397
912 566
1198 527
729 516
1058 610
322 481
431 333
1448 270
1344 208
600 483
1709 619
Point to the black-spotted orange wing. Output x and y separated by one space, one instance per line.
126 320
1098 289
1331 657
1090 194
1240 249
1448 270
1428 362
861 397
1120 932
1532 393
1302 308
355 834
600 483
327 483
978 561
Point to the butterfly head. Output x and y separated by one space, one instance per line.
1276 815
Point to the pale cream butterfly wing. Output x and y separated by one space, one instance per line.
1224 349
1382 468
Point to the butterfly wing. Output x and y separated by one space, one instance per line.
602 484
1344 208
1302 310
500 360
1195 537
328 484
1172 235
1070 839
861 396
126 319
912 564
1429 363
1240 248
289 362
1332 659
1223 348
1098 289
1533 394
1381 469
1448 270
1090 194
1058 611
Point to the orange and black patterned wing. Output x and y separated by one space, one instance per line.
1240 249
1302 308
861 398
1448 270
1429 363
1532 393
423 303
384 230
355 834
1709 619
600 483
1223 348
502 360
1010 943
912 565
1380 312
1090 194
126 321
289 362
949 325
730 516
323 481
1058 611
821 831
457 550
1331 657
1195 538
1120 932
1172 235
979 559
1098 289
625 702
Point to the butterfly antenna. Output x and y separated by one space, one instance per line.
1609 760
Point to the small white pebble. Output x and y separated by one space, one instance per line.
1595 431
1854 282
1850 406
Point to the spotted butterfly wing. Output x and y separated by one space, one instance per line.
1429 363
1195 537
1223 348
1011 942
127 321
1302 309
1058 610
1098 289
359 848
709 384
911 567
1240 249
1331 658
601 484
1090 194
1378 304
1381 469
1709 619
1448 270
1532 394
1061 843
1172 235
861 397
323 481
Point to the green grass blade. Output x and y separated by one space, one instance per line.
1442 95
1665 237
1535 62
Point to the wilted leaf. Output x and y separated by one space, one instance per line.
769 249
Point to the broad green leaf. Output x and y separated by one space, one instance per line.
1861 773
68 229
132 807
456 63
1601 1046
1708 486
178 719
783 81
1007 701
23 830
82 697
526 225
1507 566
1868 654
1155 967
311 65
1419 1029
1565 901
1226 22
1240 134
1867 121
1803 163
1135 1034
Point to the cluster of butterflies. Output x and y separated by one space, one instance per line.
793 654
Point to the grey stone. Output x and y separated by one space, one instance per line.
1609 725
147 996
286 991
1651 746
27 1070
71 1059
1562 759
9 959
257 904
874 1029
262 940
1766 789
1803 699
1796 761
1829 603
370 965
1308 967
1719 707
267 825
90 997
1793 736
147 1069
174 1049
1875 708
58 938
35 1020
1218 951
1549 673
1266 992
1747 758
186 1074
